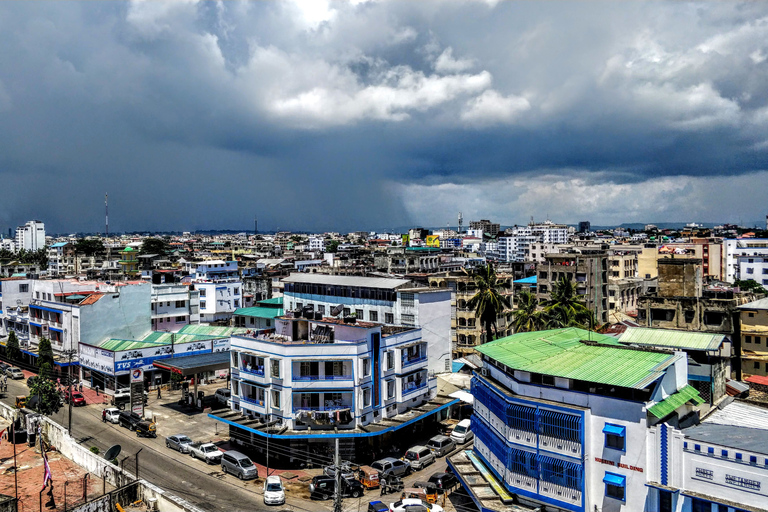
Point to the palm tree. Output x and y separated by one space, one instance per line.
488 302
565 308
527 317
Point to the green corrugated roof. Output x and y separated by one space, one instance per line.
211 330
164 338
561 353
116 344
259 312
273 300
684 340
675 400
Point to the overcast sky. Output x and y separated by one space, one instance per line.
371 115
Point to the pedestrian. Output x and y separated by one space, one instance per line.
158 391
80 386
104 416
97 390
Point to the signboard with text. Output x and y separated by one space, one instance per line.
97 359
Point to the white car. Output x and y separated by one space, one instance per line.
113 414
414 505
274 492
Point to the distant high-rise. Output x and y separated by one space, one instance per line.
486 225
30 236
585 226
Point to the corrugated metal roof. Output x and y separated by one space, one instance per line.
740 414
757 304
211 330
273 300
117 345
669 338
164 338
91 299
672 402
258 312
731 436
563 353
363 282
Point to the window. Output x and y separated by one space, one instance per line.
390 389
202 304
366 367
390 360
359 314
711 450
756 364
367 397
275 399
747 339
202 292
752 459
697 447
275 368
614 485
757 340
408 319
698 505
615 436
321 310
665 501
334 368
23 288
751 315
346 311
236 291
181 318
373 316
724 454
738 456
181 303
406 299
37 294
308 369
389 318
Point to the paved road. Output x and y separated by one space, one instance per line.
203 485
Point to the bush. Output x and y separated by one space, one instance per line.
95 449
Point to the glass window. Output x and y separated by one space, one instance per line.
389 318
614 486
275 399
373 316
390 389
390 360
366 367
275 368
367 397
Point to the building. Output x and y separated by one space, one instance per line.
585 226
561 421
307 382
517 244
588 268
485 226
61 259
316 243
408 260
30 236
259 317
753 268
747 247
392 302
129 264
174 305
220 288
752 344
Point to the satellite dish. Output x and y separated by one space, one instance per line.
336 311
113 452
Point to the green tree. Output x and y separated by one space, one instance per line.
89 246
750 285
44 398
12 349
45 358
527 317
488 302
332 246
154 246
565 308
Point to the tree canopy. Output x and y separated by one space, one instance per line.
12 349
44 398
527 317
89 246
154 246
45 358
750 285
565 308
488 302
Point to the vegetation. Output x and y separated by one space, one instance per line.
527 317
488 302
44 398
39 257
89 246
565 308
154 246
12 348
332 246
750 285
45 358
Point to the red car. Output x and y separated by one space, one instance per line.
77 398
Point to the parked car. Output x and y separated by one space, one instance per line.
441 445
222 396
208 452
235 463
414 505
377 506
390 466
128 419
346 470
14 373
112 414
77 398
30 381
444 481
4 366
274 492
419 457
146 428
323 487
179 442
462 432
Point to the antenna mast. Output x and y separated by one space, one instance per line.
106 215
461 221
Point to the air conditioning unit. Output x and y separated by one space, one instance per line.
484 372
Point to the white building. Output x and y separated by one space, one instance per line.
30 236
174 306
219 286
392 302
746 247
754 268
517 246
62 259
316 243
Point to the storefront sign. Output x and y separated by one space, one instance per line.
221 345
618 465
97 359
144 357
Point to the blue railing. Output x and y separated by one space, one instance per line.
408 362
299 378
252 372
323 408
252 401
414 389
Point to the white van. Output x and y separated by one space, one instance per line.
462 432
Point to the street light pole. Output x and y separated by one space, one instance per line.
69 378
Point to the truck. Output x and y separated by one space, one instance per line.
208 452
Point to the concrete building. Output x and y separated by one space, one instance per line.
61 259
392 302
316 243
588 268
408 260
220 288
174 305
555 435
259 317
30 236
485 226
753 268
735 248
752 342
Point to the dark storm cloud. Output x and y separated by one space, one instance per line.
375 114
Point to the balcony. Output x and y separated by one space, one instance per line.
252 401
252 374
414 360
408 390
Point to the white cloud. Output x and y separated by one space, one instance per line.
151 18
491 108
446 63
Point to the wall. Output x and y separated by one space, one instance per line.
130 312
434 319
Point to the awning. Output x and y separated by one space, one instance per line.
614 479
192 365
464 396
615 430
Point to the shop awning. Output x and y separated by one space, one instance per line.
193 365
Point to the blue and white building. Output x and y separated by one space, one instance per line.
220 288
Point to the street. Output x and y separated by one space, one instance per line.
205 486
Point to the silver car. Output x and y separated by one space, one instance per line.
178 442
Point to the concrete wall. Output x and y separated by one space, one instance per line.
434 319
128 309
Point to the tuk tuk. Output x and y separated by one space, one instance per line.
21 402
433 493
369 477
414 492
146 429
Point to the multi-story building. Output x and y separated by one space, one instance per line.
561 420
392 302
518 243
753 268
316 380
407 260
587 268
174 305
485 226
219 286
61 259
316 243
742 247
752 343
30 236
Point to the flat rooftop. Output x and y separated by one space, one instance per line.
362 282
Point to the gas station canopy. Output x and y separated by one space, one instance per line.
193 365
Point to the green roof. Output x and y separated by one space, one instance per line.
273 300
258 312
117 344
573 353
672 402
683 340
164 338
128 249
211 330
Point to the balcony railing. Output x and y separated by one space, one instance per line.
252 401
414 388
253 372
414 360
297 408
298 378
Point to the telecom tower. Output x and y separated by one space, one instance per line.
461 221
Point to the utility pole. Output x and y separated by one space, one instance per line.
69 378
337 466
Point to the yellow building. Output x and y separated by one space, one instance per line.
753 350
128 261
